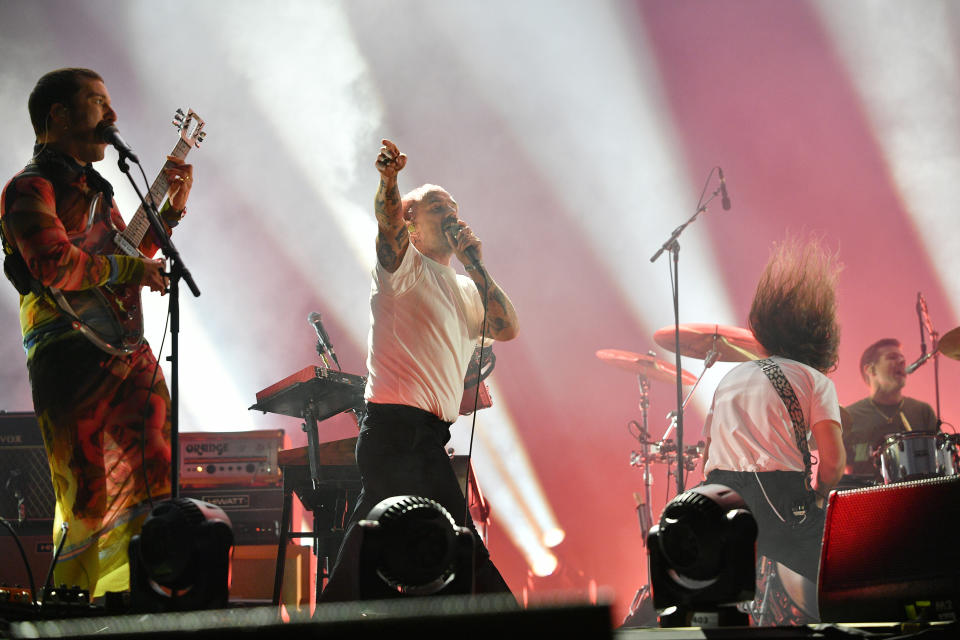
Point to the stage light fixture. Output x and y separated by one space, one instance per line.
702 555
180 561
412 547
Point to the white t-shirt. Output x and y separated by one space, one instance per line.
424 326
749 426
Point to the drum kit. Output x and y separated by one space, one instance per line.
708 342
915 455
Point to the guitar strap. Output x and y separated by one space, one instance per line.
785 390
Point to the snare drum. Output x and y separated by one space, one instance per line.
912 455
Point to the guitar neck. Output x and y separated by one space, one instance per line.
139 225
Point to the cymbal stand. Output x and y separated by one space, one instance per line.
646 517
644 513
935 341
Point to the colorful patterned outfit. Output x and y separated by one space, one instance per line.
105 419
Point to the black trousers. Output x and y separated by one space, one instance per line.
400 451
789 524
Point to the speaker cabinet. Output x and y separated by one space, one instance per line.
24 473
890 553
37 540
252 570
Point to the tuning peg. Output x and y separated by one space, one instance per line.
200 137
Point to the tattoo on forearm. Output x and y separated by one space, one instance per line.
391 246
387 204
386 252
498 313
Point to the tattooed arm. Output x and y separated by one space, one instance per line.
392 237
502 322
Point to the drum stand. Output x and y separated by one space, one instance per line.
641 611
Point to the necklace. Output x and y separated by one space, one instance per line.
883 414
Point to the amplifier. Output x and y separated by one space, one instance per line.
25 484
254 512
233 458
37 544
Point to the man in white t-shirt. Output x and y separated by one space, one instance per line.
759 449
426 321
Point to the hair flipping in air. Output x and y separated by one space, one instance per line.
794 311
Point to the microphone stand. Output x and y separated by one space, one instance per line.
926 326
672 245
178 271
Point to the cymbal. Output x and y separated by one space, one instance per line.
949 344
697 338
645 365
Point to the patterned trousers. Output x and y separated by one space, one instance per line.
105 422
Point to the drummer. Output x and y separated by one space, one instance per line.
885 411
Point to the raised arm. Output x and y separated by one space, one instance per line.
392 237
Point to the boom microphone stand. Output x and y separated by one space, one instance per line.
178 271
672 245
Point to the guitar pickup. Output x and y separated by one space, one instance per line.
125 245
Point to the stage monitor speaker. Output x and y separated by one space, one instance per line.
890 553
467 618
24 473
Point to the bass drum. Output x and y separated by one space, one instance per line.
913 455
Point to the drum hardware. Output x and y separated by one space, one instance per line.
648 367
949 344
915 455
700 340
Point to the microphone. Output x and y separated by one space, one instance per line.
724 196
451 227
108 133
323 340
916 364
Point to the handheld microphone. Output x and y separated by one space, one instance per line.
323 340
724 196
111 135
451 227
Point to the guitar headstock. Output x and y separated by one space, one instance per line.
190 126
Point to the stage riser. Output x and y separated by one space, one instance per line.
471 618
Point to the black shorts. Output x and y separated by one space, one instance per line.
789 523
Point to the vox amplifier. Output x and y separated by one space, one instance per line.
26 491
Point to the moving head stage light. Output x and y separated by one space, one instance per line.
181 559
702 556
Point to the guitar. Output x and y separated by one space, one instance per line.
110 316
